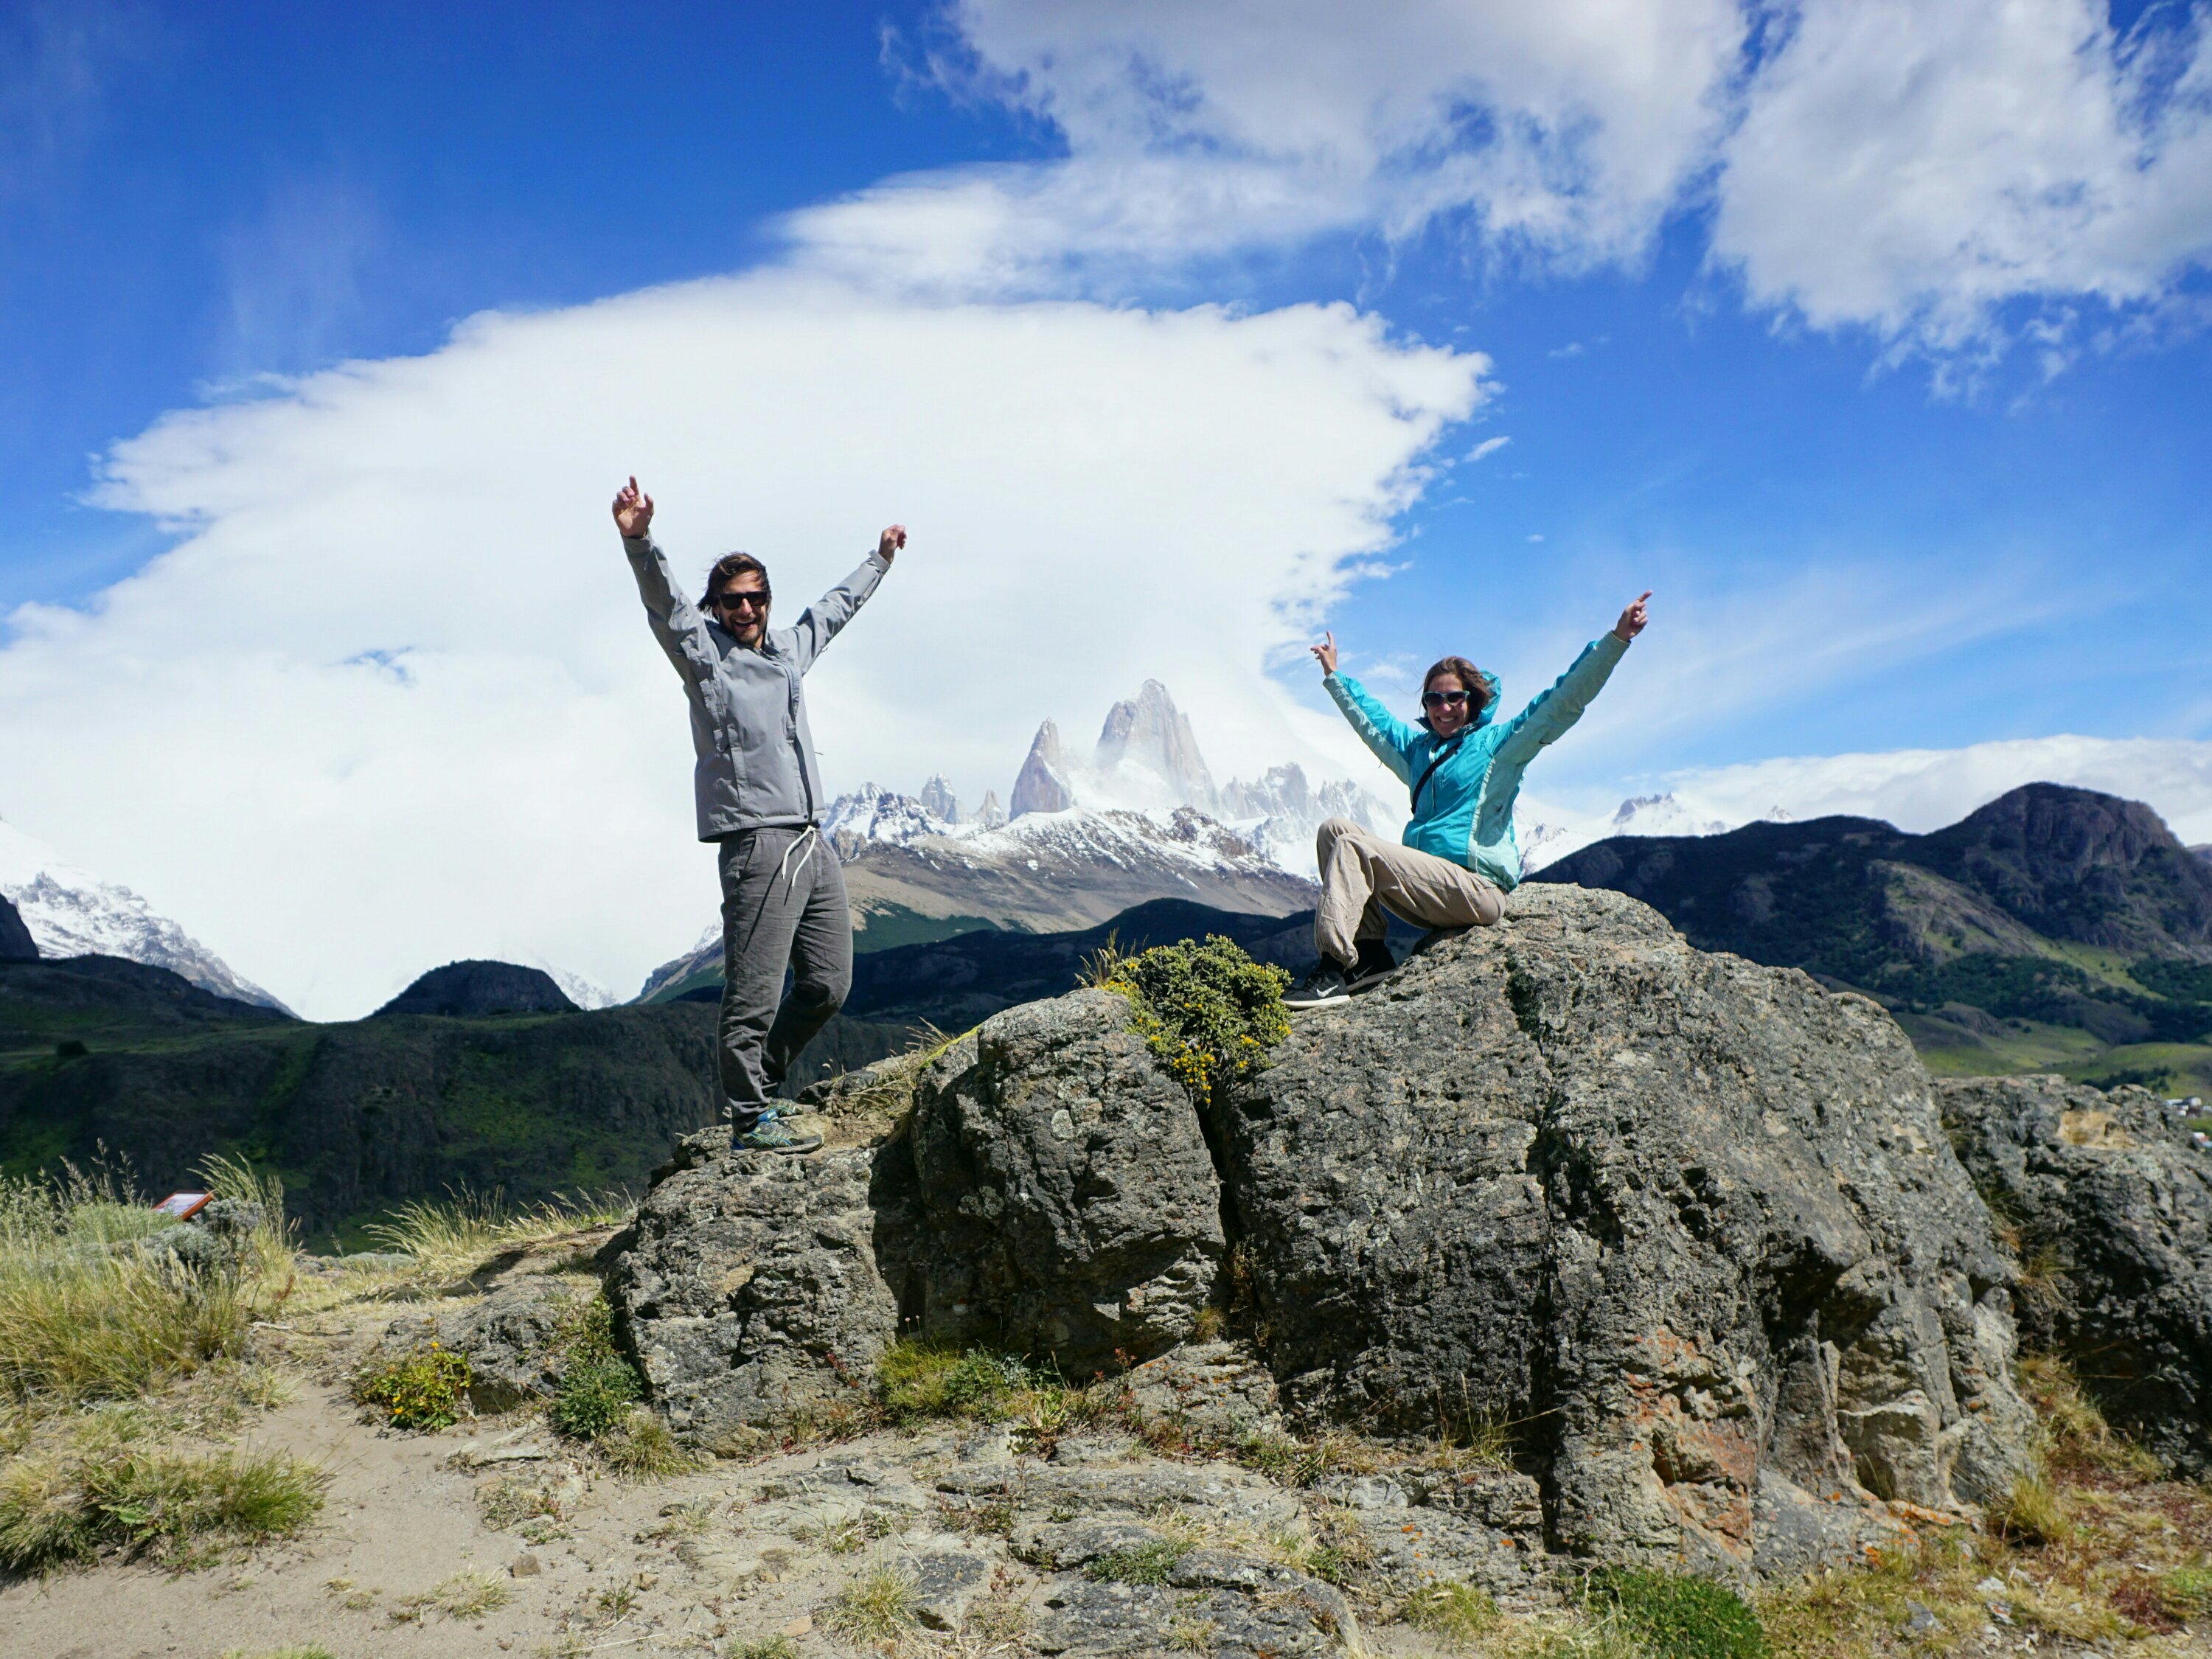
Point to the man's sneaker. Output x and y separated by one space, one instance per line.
772 1135
1374 965
1325 985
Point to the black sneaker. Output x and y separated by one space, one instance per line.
1325 985
1374 965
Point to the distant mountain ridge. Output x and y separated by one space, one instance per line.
71 913
2051 907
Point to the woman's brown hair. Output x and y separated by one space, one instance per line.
1468 676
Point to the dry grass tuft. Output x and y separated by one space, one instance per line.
453 1237
877 1606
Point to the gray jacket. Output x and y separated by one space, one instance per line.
757 769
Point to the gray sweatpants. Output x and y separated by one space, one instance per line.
783 904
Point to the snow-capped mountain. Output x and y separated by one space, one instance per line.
579 990
72 913
1147 759
911 875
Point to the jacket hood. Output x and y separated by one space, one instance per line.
1489 709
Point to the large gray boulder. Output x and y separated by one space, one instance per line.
1070 1206
748 1288
2110 1206
1688 1228
1691 1226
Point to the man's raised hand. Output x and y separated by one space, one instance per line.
888 543
1325 653
633 510
1632 619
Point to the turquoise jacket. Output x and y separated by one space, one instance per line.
1464 812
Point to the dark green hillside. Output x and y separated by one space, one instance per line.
355 1117
358 1117
2054 926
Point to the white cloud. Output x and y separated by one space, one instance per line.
392 701
1914 165
1565 131
1924 789
1487 446
1911 167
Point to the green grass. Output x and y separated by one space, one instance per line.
1142 1564
1456 1612
641 1448
1676 1615
83 1317
598 1385
56 1509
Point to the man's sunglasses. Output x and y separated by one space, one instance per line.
726 600
1442 699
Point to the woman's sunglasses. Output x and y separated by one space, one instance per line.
1442 699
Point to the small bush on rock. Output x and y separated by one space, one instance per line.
1675 1615
1208 1011
425 1389
598 1385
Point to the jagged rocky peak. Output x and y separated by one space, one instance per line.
464 988
1278 791
1694 1223
873 813
1146 747
990 815
1043 785
938 800
1661 815
17 943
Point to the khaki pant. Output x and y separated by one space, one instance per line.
1362 875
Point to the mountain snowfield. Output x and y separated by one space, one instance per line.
71 913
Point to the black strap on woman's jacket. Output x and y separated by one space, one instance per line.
1442 756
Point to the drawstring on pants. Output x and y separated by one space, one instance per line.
809 838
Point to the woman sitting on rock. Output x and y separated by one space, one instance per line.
1459 859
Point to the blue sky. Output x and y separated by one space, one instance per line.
1901 407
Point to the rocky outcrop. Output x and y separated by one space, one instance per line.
1691 1225
1041 785
468 989
2109 1210
1686 1229
749 1289
1070 1207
